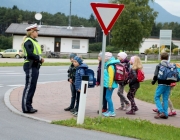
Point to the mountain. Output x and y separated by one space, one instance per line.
81 8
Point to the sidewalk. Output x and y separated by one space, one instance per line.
51 98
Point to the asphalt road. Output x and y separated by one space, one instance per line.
15 127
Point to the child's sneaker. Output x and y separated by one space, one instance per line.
75 114
127 106
112 114
131 112
136 108
155 110
109 114
120 108
172 113
105 113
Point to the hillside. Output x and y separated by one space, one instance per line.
81 8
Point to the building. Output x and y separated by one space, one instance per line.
61 39
149 42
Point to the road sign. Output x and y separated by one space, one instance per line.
165 37
107 14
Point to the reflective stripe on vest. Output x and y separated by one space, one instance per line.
37 48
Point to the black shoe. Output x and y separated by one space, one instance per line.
31 111
73 110
68 109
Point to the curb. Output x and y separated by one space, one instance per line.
14 110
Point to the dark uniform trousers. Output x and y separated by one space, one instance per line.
32 74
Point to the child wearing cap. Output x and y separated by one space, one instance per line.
80 71
122 56
133 83
71 78
109 83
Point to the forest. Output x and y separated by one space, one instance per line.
15 15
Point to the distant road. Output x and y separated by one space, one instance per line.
14 60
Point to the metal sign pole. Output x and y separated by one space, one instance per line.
170 54
102 74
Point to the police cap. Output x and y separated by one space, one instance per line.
33 27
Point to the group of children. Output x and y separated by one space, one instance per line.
77 70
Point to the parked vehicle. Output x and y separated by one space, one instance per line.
12 53
53 55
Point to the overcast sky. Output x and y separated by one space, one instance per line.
172 6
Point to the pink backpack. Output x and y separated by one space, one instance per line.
120 75
140 75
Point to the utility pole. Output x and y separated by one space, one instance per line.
70 15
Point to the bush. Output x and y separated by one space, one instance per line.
148 51
175 51
95 47
156 51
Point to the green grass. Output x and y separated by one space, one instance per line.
140 129
146 93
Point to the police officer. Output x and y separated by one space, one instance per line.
32 63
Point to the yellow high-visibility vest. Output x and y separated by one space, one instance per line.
37 48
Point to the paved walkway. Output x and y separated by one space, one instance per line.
51 98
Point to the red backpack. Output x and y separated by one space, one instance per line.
120 74
140 75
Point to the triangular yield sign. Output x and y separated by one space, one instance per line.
107 14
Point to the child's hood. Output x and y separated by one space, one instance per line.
113 61
164 63
83 65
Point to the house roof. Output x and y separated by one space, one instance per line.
47 30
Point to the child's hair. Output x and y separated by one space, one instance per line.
137 63
164 56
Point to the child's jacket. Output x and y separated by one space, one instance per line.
99 74
109 73
71 72
80 71
133 82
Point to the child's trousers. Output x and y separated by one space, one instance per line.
163 90
121 95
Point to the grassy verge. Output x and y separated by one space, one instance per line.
146 93
139 129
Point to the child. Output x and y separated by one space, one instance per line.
170 104
104 109
80 71
122 56
109 82
163 89
133 83
71 78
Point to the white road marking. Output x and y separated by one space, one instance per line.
15 85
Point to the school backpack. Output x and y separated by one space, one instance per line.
168 72
178 70
120 74
140 75
92 79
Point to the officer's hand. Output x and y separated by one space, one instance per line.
42 60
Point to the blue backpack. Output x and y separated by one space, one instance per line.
92 79
168 72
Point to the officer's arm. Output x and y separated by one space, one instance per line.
29 47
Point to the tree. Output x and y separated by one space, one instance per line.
134 24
